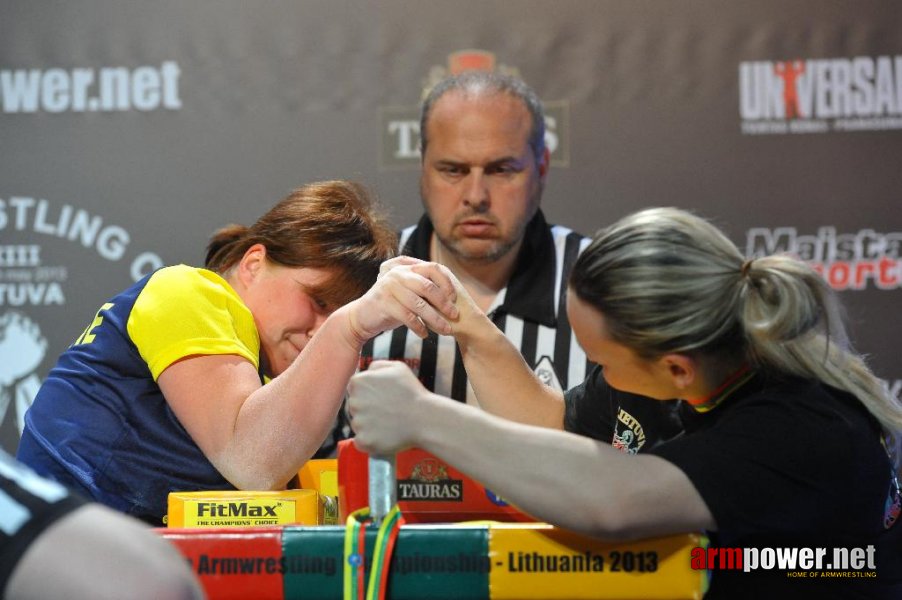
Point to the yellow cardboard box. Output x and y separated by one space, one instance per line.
321 474
244 508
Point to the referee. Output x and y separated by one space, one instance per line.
483 171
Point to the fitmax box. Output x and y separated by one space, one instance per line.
244 508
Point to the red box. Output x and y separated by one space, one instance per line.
429 489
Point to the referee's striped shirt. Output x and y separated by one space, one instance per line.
530 310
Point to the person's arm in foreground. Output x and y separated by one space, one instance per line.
97 553
561 478
259 436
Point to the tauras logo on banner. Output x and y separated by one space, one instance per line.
848 261
104 89
863 93
401 124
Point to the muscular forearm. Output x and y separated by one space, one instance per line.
559 477
259 436
503 383
283 423
564 479
96 553
537 478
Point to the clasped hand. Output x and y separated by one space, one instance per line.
408 292
387 401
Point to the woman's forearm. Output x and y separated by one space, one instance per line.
503 382
284 422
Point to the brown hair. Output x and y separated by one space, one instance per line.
327 224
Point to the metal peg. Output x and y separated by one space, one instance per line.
383 486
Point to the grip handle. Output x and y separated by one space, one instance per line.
383 486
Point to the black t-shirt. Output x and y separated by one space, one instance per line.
630 423
30 504
786 462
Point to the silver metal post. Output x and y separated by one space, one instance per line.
383 486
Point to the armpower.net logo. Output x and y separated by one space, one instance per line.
88 89
796 562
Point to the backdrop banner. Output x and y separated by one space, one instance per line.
131 132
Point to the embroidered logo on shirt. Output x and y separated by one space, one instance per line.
629 436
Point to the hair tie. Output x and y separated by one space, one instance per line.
746 267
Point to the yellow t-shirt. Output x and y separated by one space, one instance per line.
185 311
